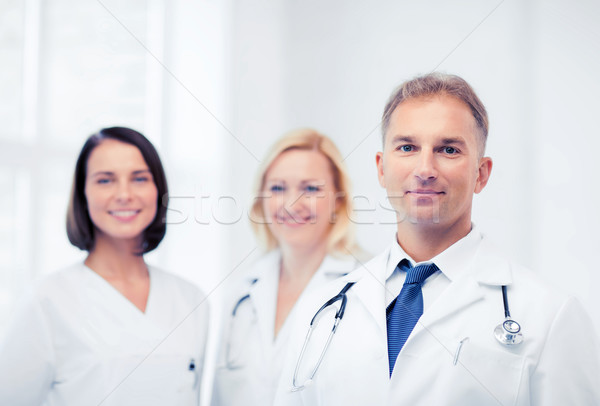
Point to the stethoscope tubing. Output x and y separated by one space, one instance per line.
507 333
505 301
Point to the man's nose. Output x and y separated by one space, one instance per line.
425 168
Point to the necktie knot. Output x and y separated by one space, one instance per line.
419 273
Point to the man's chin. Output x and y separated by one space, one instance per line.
424 221
424 216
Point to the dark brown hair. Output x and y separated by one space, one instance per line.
80 228
439 84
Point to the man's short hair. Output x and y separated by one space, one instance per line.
434 84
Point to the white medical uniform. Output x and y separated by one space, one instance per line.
78 341
249 375
558 362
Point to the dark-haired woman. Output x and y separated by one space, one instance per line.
111 330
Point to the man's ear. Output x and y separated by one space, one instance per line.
485 170
379 162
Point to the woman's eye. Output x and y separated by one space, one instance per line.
141 179
276 188
103 181
312 189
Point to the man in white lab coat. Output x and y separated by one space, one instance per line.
427 335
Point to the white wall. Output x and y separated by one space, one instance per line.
565 165
331 65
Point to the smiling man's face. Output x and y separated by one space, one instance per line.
430 165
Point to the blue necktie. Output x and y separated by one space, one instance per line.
404 312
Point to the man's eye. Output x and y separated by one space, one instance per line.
450 150
406 148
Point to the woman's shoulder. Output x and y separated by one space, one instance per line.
259 269
61 278
175 283
344 263
266 262
51 289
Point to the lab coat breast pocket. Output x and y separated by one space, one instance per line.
166 379
235 385
469 374
492 371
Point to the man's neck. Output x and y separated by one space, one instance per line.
424 242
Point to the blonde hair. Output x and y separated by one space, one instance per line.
341 237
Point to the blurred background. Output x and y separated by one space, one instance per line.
213 83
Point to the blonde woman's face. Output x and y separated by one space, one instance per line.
299 199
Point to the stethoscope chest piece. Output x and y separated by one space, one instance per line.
508 332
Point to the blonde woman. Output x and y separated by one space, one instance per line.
301 217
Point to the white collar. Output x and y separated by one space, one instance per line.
267 267
451 262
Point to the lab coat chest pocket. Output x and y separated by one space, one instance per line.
237 384
485 374
474 373
170 379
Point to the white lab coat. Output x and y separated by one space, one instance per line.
558 363
78 341
256 356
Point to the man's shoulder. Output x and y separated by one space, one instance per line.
528 287
374 266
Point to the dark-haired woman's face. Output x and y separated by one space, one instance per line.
120 191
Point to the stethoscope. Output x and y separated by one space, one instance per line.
339 315
230 362
230 359
507 332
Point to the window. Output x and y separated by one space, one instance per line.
71 68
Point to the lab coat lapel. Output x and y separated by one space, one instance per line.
458 295
263 292
100 289
488 268
370 288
